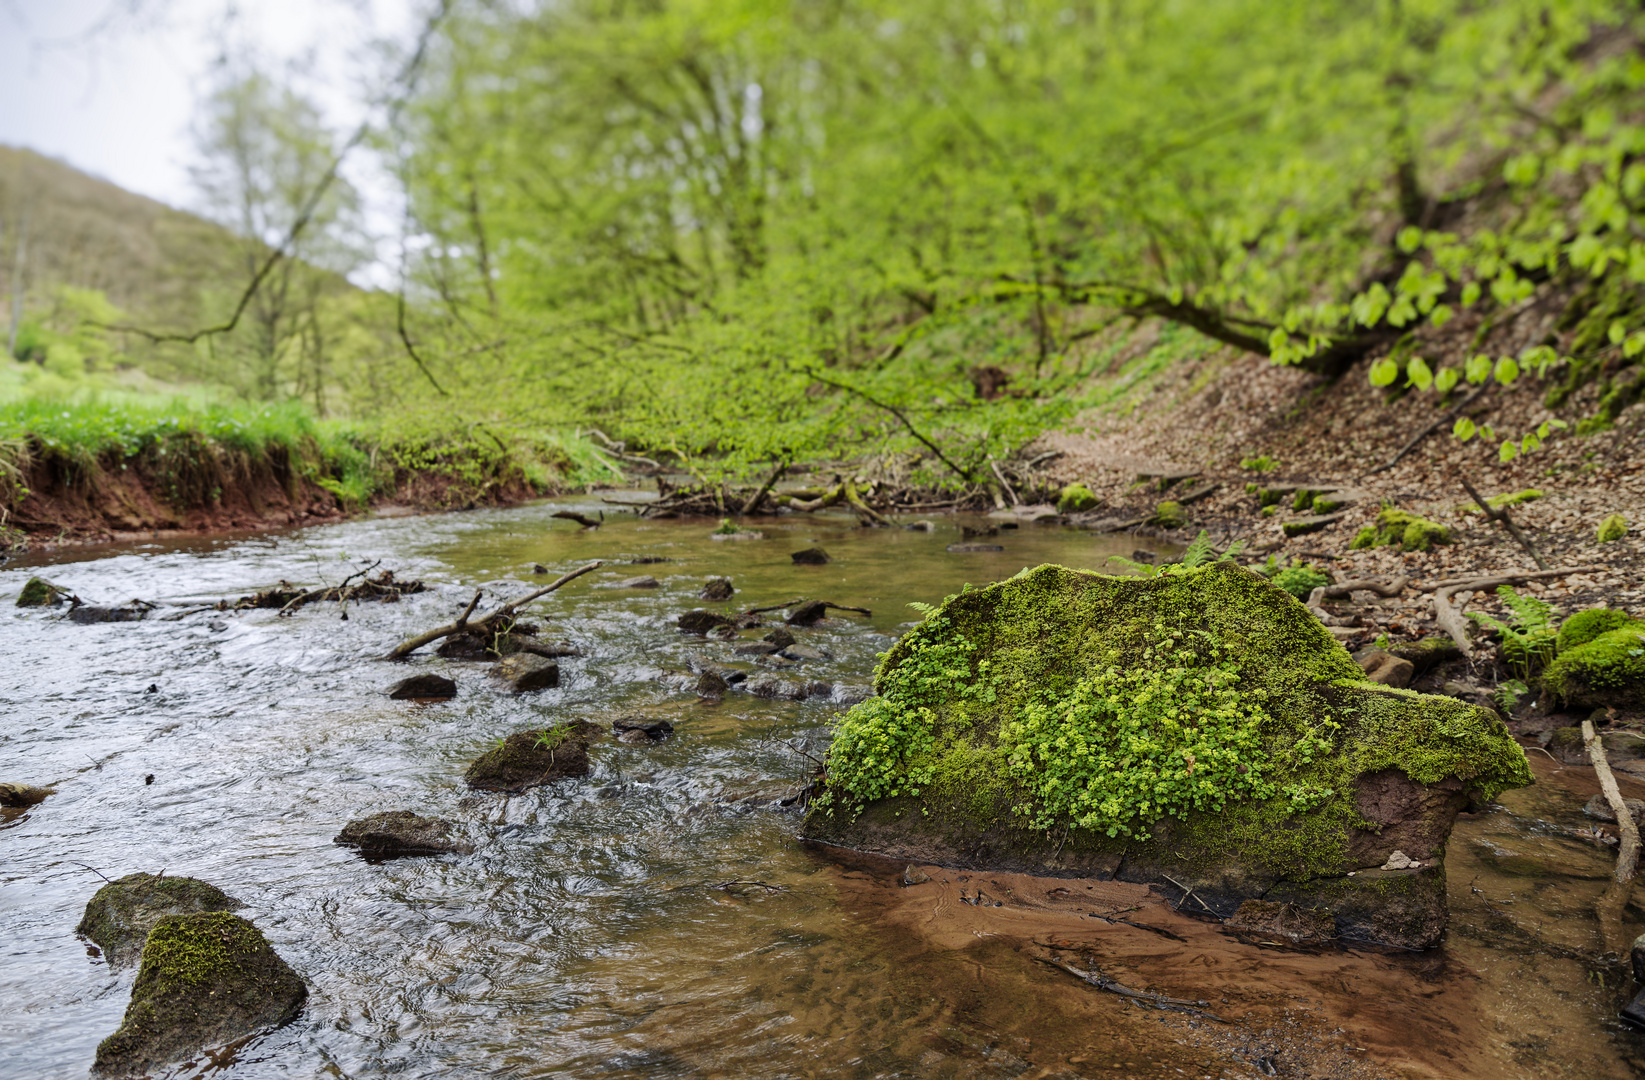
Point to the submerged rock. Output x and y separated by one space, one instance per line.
397 833
644 582
95 613
1268 919
529 758
811 557
972 549
642 729
807 614
525 672
38 592
18 795
426 685
1599 808
207 979
121 913
779 637
1196 730
701 622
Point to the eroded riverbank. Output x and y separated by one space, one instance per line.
607 926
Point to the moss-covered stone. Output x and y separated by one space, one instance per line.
529 758
1076 499
1607 671
121 913
1402 529
1169 515
207 980
1612 528
1584 626
1515 498
1427 653
994 746
38 592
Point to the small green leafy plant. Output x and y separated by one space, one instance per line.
1528 638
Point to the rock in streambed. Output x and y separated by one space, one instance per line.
121 914
207 979
21 795
1199 730
396 834
529 758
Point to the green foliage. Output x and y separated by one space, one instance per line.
1515 498
1528 637
1169 515
1584 626
1609 670
1300 581
1263 464
1075 499
1613 528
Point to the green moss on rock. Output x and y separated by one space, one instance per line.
1612 528
529 758
1169 515
1607 671
1076 499
207 979
1200 726
1584 626
38 592
1398 528
120 915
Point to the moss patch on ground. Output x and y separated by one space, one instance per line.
1585 626
1200 724
120 915
1076 499
207 979
1398 528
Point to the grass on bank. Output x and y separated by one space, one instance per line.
356 460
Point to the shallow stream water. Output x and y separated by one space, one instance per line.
656 918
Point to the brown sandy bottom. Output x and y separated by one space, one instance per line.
1518 990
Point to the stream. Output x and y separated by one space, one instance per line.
657 918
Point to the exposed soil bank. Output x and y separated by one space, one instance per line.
157 495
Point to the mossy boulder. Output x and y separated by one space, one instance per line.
529 758
1585 626
121 913
1607 671
207 980
1195 730
1076 499
1169 515
1398 528
1426 653
38 592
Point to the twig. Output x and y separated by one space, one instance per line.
1006 484
843 607
1499 514
1186 893
750 884
774 607
316 594
1450 619
582 519
93 869
1202 493
411 645
1427 431
894 411
1103 982
1514 578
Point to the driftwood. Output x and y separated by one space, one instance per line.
1450 619
501 615
1159 1001
1393 588
1614 899
765 489
582 519
1500 516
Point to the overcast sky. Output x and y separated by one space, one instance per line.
110 86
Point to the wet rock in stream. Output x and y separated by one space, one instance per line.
95 613
395 834
811 557
1599 808
120 914
38 592
21 795
523 673
701 622
711 684
642 729
779 637
716 588
426 685
207 979
1073 655
1263 918
808 614
529 758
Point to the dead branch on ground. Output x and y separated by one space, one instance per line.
1616 896
1499 514
1450 619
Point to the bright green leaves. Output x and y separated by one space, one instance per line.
1418 374
1464 429
1369 306
1384 372
1478 368
1522 170
1507 451
1507 370
1446 379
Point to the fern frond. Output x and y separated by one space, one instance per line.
1199 552
1530 614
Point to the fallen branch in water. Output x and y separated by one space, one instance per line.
765 489
315 594
1159 1001
1450 619
582 519
1611 903
501 615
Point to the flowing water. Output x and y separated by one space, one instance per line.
656 918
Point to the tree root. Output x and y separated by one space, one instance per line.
1611 903
1450 619
1159 1001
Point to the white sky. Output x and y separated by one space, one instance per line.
110 86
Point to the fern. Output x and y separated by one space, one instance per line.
1529 636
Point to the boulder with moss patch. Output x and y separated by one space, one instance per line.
38 592
1584 626
207 980
1398 528
529 758
1076 499
1607 671
121 913
1169 515
1196 730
